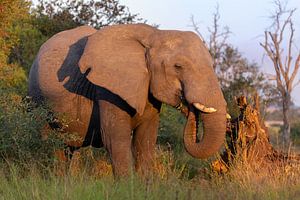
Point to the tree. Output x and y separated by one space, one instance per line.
236 74
96 13
285 66
12 14
243 78
217 41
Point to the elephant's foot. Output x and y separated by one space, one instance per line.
145 165
122 166
145 171
60 167
75 164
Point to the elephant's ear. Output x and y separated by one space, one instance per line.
117 63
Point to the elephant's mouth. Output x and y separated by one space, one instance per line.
192 112
185 107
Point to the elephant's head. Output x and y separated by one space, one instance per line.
175 66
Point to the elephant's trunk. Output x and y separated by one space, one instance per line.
214 125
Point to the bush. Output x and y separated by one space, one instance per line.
21 123
295 132
171 127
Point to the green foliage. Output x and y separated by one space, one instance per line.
97 13
30 40
21 123
12 76
20 137
12 12
171 127
295 132
12 79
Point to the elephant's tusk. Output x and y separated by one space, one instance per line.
204 108
228 116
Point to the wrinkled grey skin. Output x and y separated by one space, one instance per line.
113 81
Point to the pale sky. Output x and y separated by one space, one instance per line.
247 20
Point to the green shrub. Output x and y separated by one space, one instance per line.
21 123
295 132
171 127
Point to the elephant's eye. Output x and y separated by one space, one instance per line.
178 66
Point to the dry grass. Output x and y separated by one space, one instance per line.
90 177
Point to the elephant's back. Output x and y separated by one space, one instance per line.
64 39
60 53
54 67
56 61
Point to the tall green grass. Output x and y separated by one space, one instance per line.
240 182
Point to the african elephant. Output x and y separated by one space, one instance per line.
111 84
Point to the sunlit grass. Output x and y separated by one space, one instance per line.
175 179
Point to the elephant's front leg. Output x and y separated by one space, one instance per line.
116 135
144 141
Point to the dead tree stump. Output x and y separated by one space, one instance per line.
247 141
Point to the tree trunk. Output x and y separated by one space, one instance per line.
286 121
